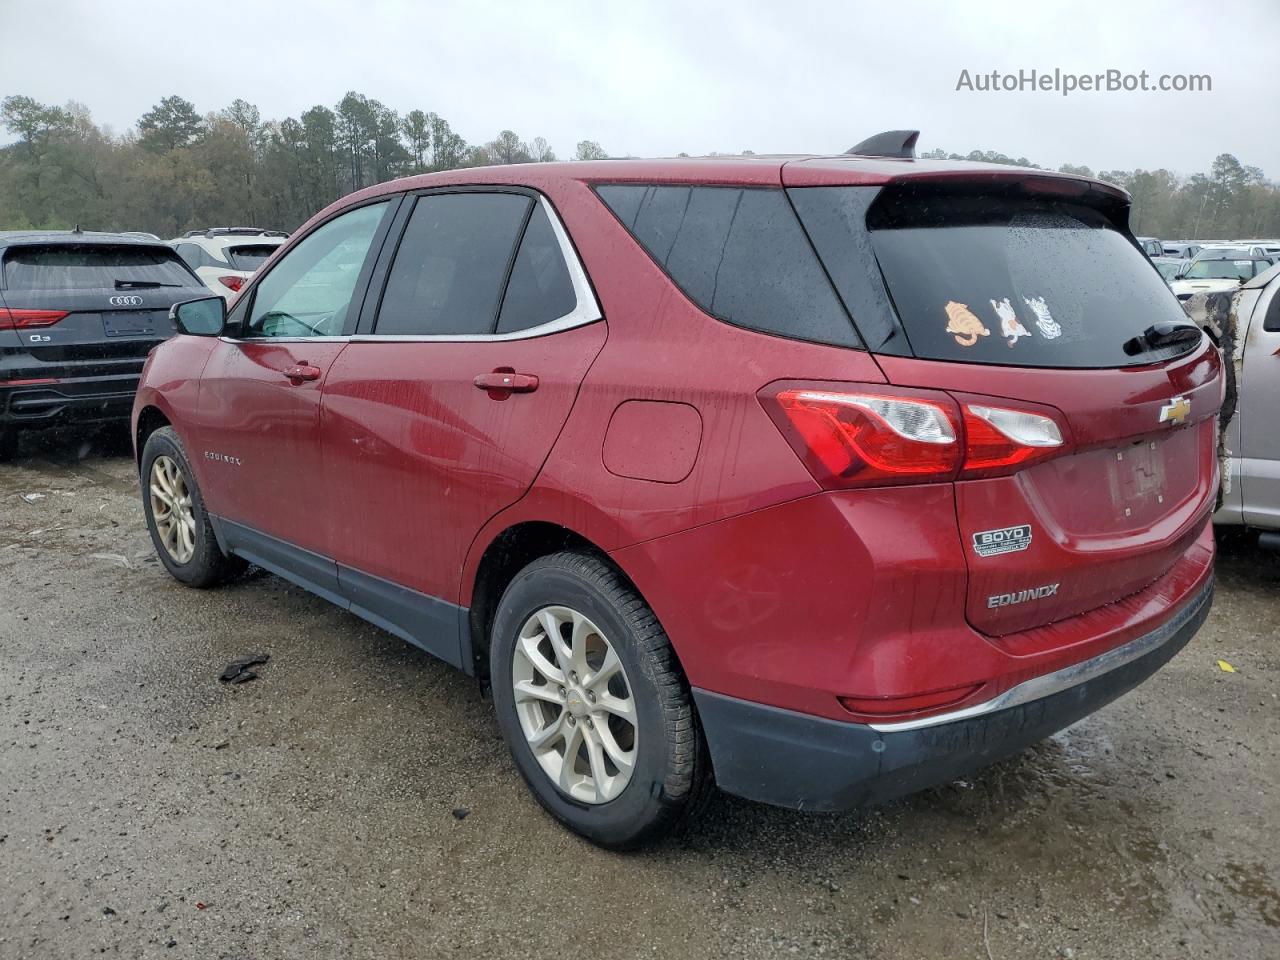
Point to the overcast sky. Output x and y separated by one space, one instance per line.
654 78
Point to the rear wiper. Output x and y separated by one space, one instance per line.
139 284
1163 335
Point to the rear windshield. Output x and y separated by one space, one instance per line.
251 257
1016 281
92 267
1226 269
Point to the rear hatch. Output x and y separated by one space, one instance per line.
94 301
1068 358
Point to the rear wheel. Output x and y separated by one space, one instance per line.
592 703
176 518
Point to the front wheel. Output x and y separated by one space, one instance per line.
176 518
593 704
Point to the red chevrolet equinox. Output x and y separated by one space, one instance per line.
821 479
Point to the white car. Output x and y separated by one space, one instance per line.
1226 251
225 257
1270 248
1210 275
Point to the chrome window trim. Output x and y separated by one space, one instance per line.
226 339
586 310
1050 683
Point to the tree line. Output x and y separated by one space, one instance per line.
178 169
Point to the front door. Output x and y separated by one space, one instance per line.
260 395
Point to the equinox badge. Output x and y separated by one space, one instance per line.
1022 596
1176 410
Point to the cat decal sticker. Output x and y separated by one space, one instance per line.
964 325
1044 320
1010 327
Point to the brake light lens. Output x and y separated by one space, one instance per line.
17 319
861 435
232 282
873 438
999 440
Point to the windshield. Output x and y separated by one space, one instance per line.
92 267
1016 281
1225 269
1169 269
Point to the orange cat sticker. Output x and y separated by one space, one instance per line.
964 325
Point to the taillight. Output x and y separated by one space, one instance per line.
861 435
998 439
869 436
232 282
16 319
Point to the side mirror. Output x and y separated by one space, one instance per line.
1179 276
200 318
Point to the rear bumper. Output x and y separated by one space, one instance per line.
68 399
812 763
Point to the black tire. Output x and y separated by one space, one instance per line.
8 444
671 773
208 566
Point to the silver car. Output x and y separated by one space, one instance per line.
1249 329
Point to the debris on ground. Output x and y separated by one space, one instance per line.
237 671
461 813
32 497
1226 667
117 558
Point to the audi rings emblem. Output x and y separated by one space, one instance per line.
125 301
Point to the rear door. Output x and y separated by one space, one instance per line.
115 299
1037 313
444 411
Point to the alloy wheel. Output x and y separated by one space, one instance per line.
171 509
575 704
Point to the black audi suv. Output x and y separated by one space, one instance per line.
79 312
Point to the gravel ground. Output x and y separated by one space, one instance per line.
356 800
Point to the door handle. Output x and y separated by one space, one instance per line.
302 371
504 381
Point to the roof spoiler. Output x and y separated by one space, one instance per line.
897 144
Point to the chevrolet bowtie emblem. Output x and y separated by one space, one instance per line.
1176 410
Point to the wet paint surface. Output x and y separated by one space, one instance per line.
324 826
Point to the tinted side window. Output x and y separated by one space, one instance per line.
540 289
452 261
739 253
308 293
836 220
190 254
1271 323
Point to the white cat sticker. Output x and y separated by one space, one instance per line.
1010 327
1044 320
